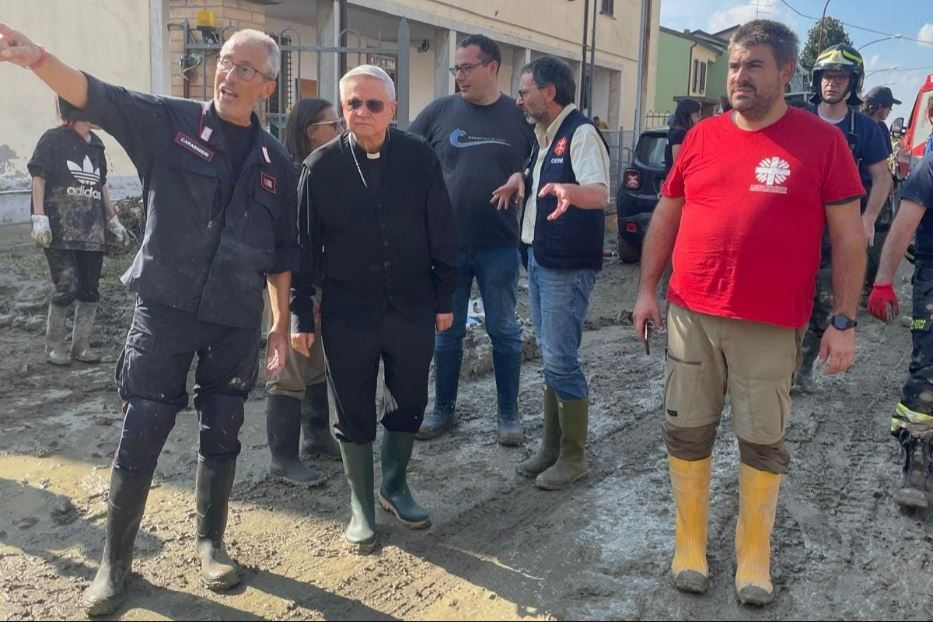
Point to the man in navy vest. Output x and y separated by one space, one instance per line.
567 189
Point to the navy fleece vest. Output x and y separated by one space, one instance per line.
575 240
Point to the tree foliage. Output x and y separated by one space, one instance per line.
833 33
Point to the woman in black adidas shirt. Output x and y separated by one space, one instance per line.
71 212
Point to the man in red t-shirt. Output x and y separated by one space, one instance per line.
742 213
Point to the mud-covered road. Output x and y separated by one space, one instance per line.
499 548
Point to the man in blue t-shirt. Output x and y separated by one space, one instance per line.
481 139
912 423
837 79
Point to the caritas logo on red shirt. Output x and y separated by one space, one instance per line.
771 174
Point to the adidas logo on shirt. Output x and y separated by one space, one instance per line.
86 175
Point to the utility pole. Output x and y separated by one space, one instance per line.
819 47
342 21
586 24
589 82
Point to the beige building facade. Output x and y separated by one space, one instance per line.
156 46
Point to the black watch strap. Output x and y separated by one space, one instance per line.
842 322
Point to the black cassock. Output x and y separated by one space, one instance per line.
378 237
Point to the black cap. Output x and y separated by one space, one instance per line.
882 96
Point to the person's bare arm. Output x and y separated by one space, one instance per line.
905 224
590 196
880 190
837 350
64 80
279 286
108 206
656 254
675 149
38 196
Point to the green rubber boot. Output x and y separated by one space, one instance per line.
571 464
358 466
394 495
549 450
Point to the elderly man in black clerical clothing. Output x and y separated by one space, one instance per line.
378 237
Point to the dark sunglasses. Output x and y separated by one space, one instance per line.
375 106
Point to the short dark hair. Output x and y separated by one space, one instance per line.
489 49
552 70
781 39
303 114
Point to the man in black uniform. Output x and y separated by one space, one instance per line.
220 200
837 79
912 423
380 241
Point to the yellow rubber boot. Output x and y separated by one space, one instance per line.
690 481
758 495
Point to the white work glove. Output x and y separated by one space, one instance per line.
118 230
41 232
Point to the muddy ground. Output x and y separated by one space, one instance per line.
499 548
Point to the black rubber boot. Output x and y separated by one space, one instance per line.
803 379
394 495
213 484
317 439
283 423
358 466
913 491
443 417
128 493
507 369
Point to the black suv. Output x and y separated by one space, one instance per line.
639 192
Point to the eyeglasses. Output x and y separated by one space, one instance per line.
467 68
835 78
522 93
243 72
375 106
336 125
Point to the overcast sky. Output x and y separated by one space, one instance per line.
909 18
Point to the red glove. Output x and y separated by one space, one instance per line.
880 298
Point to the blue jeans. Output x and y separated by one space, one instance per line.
496 272
559 302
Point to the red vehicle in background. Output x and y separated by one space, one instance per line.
913 136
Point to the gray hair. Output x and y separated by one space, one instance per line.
256 37
780 38
369 71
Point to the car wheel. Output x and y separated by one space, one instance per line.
628 252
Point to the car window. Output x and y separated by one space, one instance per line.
651 149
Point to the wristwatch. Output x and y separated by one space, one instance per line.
842 322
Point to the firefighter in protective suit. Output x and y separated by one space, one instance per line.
838 75
912 423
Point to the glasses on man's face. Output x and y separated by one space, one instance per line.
836 78
523 93
243 72
375 106
336 125
467 68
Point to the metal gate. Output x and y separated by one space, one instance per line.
288 92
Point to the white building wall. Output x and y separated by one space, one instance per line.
74 32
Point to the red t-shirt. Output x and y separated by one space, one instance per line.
749 240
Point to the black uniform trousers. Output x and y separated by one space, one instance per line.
353 347
152 373
917 393
75 274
